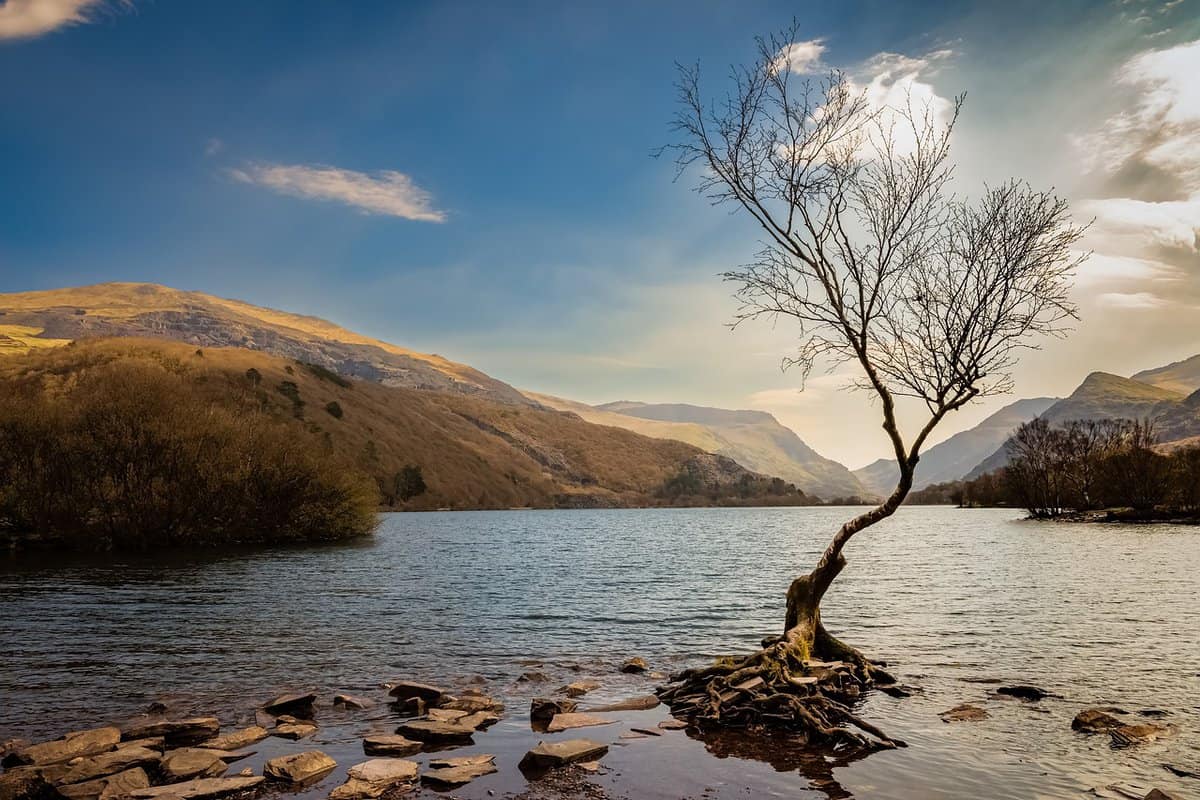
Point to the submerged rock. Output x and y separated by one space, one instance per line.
390 744
109 786
175 733
635 665
964 713
298 704
565 722
1095 720
189 762
1126 735
1025 692
73 745
375 778
543 708
450 772
433 732
300 768
639 703
236 740
199 789
556 754
412 707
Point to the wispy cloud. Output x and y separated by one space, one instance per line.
802 58
390 193
25 19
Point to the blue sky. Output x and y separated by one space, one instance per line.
244 149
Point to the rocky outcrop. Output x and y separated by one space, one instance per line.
390 744
175 733
191 762
110 786
635 665
543 709
579 688
566 722
199 789
236 740
433 732
109 763
297 704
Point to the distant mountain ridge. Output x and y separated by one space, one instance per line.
1180 376
754 439
953 458
47 318
1103 395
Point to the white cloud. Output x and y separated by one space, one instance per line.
803 58
898 86
1173 224
24 19
1133 301
389 193
1106 268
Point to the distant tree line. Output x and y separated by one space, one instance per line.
1081 466
130 453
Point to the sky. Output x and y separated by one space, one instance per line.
478 179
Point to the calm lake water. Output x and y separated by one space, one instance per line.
1102 615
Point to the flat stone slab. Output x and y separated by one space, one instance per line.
640 703
199 789
191 762
672 724
446 714
1125 735
236 740
390 744
433 732
579 688
110 763
375 778
478 721
175 733
472 703
300 768
451 772
647 731
297 703
73 745
117 785
404 690
565 722
294 730
557 754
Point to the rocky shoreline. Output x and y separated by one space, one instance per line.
411 736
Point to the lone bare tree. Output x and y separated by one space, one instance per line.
876 263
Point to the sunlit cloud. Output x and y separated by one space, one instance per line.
802 58
25 19
389 193
1105 268
1134 301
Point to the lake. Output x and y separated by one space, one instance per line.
1099 614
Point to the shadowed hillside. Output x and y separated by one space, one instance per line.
470 452
40 319
952 459
1181 376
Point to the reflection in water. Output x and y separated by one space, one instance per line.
1102 615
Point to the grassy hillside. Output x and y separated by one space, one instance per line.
49 318
472 452
1181 376
952 459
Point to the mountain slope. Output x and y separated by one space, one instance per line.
473 452
954 458
1106 396
1181 376
48 318
754 439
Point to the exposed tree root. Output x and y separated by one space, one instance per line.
803 681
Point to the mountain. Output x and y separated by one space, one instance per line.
954 458
1181 376
1103 395
754 439
48 318
473 451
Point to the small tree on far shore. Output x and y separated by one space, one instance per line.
872 261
